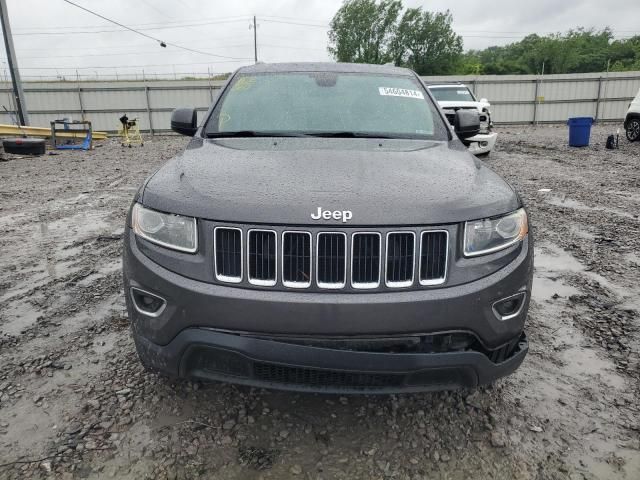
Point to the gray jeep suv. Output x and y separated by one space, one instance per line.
326 230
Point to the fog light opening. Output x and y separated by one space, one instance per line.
147 303
509 307
484 144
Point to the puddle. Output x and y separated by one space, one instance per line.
553 260
550 262
569 344
567 202
546 287
582 362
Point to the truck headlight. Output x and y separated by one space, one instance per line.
168 230
493 234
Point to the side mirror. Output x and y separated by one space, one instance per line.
466 123
184 121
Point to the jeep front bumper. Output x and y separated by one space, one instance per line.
295 340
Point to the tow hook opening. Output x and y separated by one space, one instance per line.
509 307
147 303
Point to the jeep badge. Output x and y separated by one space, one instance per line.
344 215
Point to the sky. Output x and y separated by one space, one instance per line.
55 39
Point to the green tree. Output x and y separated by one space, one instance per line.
362 30
370 31
377 31
426 43
576 51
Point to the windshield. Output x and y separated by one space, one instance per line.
325 104
452 94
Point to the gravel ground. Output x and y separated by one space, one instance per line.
75 403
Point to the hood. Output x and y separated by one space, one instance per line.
284 180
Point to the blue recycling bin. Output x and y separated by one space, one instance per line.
579 131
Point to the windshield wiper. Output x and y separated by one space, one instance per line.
252 133
328 134
348 134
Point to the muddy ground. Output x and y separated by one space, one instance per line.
75 403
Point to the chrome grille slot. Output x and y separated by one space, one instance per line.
365 260
331 260
400 259
228 254
296 259
261 257
433 257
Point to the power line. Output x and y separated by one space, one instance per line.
122 76
128 46
96 67
149 36
124 54
173 22
93 32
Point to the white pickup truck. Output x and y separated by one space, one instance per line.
455 96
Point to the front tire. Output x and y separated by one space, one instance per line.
633 130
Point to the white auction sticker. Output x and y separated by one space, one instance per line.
401 92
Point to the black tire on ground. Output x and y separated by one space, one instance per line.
24 146
633 130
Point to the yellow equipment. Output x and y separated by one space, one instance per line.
130 132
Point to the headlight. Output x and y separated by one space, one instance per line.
493 234
171 231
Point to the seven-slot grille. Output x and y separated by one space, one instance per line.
364 260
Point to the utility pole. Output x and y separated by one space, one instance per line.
18 93
255 39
